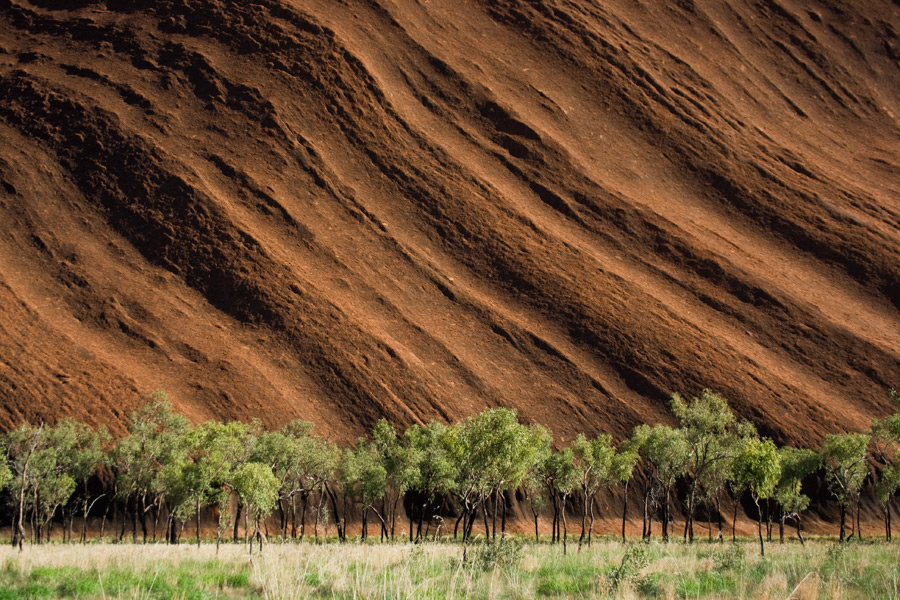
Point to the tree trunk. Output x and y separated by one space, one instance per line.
503 515
858 524
237 520
719 517
843 522
198 523
762 547
645 535
624 512
591 523
799 535
781 529
564 524
584 508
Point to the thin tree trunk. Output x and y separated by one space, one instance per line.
799 535
591 524
762 547
564 524
843 522
237 520
198 523
624 513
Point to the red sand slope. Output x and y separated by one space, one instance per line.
341 210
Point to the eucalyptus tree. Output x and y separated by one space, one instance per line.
156 437
758 468
844 457
796 464
622 471
884 449
203 473
493 451
280 450
562 477
400 469
22 444
593 459
665 451
364 479
257 487
426 467
317 464
524 448
81 452
710 429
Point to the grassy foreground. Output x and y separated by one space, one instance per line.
514 569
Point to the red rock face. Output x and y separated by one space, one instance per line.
343 211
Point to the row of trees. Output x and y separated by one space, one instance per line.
166 469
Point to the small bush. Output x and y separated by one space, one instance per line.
504 554
731 558
636 557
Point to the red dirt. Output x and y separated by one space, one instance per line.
339 211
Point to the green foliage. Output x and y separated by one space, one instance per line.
844 457
257 487
796 464
758 468
635 558
665 449
363 475
504 553
427 466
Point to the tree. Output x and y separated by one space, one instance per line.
593 459
426 467
621 471
21 446
710 428
562 477
400 469
844 456
364 479
257 487
885 454
156 437
757 468
666 452
493 451
796 464
212 451
82 452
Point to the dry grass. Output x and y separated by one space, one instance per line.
294 571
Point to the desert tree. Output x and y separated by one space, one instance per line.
665 451
364 479
21 446
844 458
884 452
593 459
710 429
156 437
796 464
203 473
622 471
426 467
492 450
757 467
258 488
81 453
399 468
562 477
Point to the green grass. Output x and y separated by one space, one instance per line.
822 569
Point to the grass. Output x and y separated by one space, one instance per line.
822 569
